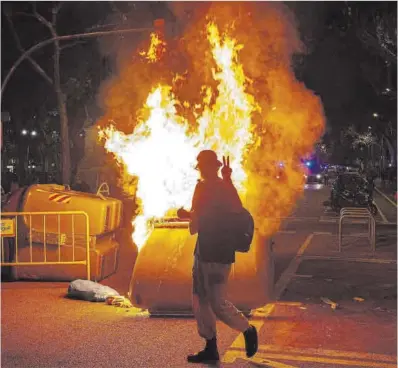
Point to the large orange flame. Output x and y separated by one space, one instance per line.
258 126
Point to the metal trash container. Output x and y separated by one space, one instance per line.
162 277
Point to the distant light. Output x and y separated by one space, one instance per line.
308 164
369 127
24 132
33 133
318 176
277 177
389 165
388 90
53 164
280 164
375 115
33 166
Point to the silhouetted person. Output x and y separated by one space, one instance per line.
326 178
213 199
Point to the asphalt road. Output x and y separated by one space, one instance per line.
41 328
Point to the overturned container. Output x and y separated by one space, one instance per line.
162 278
53 234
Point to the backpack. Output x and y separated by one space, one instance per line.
241 230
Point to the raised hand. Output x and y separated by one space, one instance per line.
183 214
226 170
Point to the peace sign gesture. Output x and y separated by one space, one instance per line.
226 170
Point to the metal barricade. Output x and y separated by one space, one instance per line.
358 213
42 229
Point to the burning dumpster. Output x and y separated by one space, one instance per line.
238 95
162 277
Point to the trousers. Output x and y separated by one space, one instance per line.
209 299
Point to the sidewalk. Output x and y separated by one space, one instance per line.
389 190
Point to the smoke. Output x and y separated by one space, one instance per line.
289 118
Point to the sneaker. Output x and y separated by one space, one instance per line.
251 341
204 356
208 355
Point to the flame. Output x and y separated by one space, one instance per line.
257 127
156 49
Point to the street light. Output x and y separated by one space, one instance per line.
375 115
25 132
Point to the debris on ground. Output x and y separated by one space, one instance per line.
90 291
358 299
119 301
332 304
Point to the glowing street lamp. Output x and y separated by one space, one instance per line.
375 115
33 133
24 132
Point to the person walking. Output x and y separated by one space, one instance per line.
213 199
326 178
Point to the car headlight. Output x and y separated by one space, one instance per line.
318 176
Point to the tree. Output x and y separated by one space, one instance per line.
54 81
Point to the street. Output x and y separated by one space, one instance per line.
331 309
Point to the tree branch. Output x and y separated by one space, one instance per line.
72 44
44 21
35 65
55 11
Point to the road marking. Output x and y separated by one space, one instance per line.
322 233
349 259
327 352
386 197
232 355
383 217
287 275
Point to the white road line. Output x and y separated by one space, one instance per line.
386 197
351 259
384 218
268 360
327 352
287 275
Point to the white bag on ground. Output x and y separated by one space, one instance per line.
90 291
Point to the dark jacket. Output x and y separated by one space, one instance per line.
212 201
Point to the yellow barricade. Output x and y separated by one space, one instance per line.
18 233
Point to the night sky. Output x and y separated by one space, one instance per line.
333 66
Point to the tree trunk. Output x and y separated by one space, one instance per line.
63 116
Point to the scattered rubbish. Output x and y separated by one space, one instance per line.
332 304
303 276
90 291
119 301
358 299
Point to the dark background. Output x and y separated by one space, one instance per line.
350 62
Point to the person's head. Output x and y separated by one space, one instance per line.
208 164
